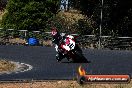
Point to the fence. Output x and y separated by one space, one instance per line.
107 42
119 43
85 41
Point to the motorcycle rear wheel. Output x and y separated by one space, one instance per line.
79 58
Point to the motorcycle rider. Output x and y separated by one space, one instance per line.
57 40
57 37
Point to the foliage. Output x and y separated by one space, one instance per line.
29 14
39 14
85 27
117 15
87 7
73 22
2 4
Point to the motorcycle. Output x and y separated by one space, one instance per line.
69 49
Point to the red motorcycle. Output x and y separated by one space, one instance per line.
69 49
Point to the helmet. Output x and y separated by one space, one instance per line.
54 31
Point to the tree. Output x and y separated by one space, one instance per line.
29 14
87 7
2 4
117 15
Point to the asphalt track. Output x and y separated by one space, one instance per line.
45 66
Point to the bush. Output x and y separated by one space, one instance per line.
28 15
73 22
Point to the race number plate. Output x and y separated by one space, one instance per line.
69 44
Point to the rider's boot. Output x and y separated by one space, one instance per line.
59 57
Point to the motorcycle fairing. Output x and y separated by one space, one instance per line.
69 44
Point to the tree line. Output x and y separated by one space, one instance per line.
29 14
38 14
117 15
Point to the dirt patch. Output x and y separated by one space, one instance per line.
61 84
6 66
47 43
17 41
